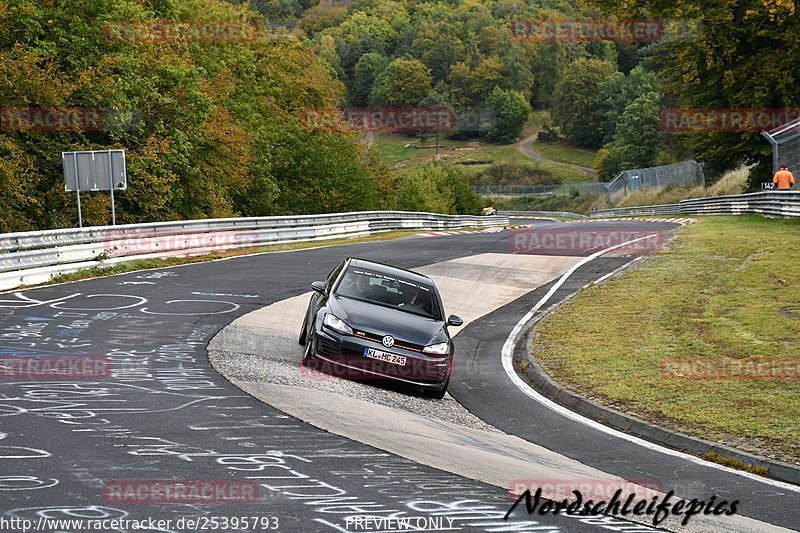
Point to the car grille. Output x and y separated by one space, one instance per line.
329 348
334 349
379 338
418 370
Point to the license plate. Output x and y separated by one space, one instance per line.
383 356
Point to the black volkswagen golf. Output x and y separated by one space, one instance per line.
370 320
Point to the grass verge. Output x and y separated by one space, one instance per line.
162 262
735 463
727 289
732 182
566 153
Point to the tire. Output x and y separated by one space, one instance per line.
437 394
308 353
302 338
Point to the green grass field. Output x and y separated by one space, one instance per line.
560 150
403 152
537 120
566 153
727 287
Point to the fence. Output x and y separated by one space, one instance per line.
34 257
785 141
771 204
686 173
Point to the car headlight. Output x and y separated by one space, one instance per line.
336 324
437 349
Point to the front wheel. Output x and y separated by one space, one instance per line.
437 394
302 339
308 353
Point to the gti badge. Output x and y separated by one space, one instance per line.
388 341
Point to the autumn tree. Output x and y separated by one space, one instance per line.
210 128
511 111
725 54
639 138
366 71
576 108
403 83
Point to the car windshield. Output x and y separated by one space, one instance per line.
389 291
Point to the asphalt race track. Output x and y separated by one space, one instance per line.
163 412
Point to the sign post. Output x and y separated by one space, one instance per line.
95 170
78 190
111 189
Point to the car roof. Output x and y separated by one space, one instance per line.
390 270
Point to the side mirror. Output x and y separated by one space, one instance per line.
453 320
319 286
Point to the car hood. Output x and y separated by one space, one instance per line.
380 320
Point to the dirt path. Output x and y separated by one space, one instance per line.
525 146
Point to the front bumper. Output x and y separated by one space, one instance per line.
344 355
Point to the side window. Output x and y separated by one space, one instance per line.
332 276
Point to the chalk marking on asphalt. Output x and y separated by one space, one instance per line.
508 352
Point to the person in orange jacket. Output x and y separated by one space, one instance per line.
783 178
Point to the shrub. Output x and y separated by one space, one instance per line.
548 134
437 188
513 173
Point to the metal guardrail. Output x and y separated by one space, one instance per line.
769 203
562 214
34 257
664 209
